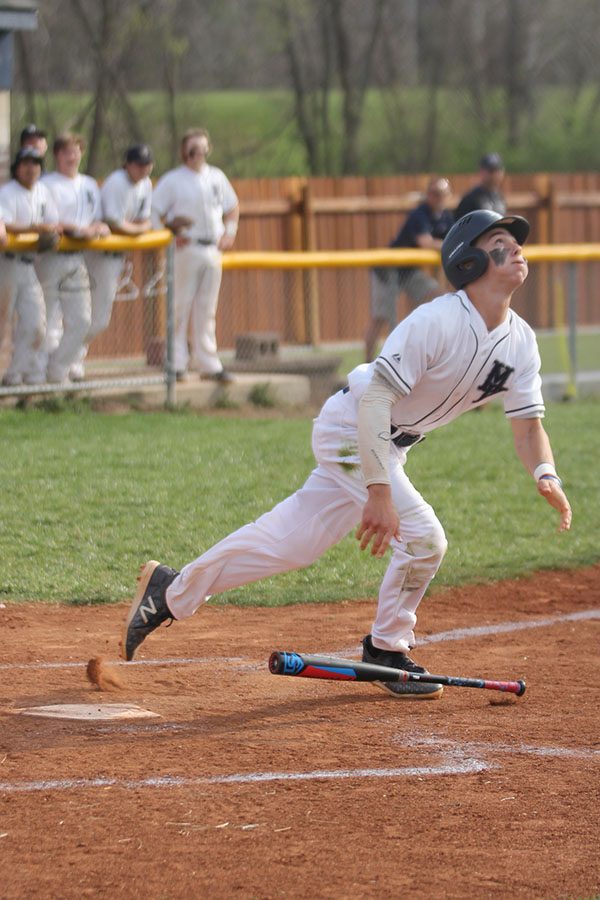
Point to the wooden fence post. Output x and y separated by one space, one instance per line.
545 302
311 284
295 242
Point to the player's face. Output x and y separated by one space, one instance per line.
492 178
37 142
195 151
27 173
506 256
68 159
137 171
437 197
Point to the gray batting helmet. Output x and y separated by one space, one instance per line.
464 263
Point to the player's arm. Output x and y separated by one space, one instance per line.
231 221
533 449
427 241
379 522
123 226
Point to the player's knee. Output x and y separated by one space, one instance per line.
431 546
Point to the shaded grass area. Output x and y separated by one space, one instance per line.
88 497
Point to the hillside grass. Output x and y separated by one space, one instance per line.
255 132
88 497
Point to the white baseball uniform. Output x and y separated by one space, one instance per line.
20 290
441 361
64 276
121 200
204 197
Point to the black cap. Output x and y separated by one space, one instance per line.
28 153
139 153
492 162
30 131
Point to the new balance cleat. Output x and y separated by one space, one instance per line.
409 690
149 606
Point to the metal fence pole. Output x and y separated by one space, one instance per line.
170 345
572 323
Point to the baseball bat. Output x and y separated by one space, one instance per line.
283 662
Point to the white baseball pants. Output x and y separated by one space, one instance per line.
21 294
197 280
66 286
104 270
318 515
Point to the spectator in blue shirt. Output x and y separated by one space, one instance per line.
425 228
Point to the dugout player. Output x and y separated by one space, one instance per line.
487 193
64 276
196 200
27 207
126 198
450 355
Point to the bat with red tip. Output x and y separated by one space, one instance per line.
283 662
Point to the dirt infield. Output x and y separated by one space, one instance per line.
259 786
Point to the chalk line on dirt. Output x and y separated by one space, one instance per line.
464 767
455 634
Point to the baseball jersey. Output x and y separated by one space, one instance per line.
124 201
77 199
20 206
443 361
202 196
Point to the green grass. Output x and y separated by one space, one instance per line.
88 497
553 351
255 132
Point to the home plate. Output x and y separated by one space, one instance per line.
89 711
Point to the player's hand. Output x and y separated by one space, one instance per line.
553 493
379 523
226 242
178 223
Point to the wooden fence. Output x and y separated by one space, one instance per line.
351 213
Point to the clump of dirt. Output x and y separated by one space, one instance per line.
102 675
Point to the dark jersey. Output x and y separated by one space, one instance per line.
480 198
423 220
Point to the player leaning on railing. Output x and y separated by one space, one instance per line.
450 355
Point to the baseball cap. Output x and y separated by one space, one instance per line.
139 153
28 153
30 131
492 162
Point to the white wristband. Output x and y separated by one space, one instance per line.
544 469
231 228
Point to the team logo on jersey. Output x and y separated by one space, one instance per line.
495 381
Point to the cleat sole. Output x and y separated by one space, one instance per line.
432 695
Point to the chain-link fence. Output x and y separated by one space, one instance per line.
92 315
290 313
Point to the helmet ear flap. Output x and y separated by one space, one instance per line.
471 266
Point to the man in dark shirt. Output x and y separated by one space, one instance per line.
487 194
425 228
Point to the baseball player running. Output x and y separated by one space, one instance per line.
196 200
450 355
27 207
